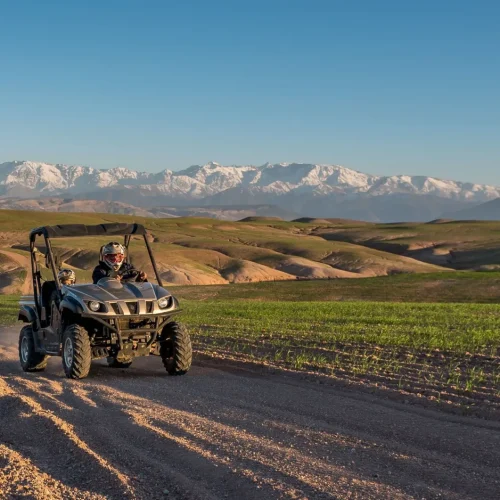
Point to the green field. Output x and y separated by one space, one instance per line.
440 350
458 286
9 307
458 328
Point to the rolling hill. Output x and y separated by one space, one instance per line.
197 251
208 251
453 244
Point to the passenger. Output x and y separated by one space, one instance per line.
67 277
112 265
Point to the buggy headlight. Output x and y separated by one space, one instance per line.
164 302
94 305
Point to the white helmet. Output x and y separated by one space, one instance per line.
67 275
113 255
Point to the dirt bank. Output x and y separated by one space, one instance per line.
24 263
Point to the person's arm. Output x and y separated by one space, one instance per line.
131 273
98 273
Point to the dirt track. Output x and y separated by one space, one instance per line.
220 433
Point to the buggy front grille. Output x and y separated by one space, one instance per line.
133 307
128 308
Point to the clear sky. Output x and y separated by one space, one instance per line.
384 87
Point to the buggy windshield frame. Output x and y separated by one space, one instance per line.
79 231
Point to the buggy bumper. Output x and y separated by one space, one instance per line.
123 327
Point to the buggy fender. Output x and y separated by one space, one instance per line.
72 305
27 314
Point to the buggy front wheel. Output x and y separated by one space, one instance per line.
76 352
175 349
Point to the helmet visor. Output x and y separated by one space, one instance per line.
114 258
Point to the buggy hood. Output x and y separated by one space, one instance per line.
112 290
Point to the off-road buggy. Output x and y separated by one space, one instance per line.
112 319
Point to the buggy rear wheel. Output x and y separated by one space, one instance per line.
31 361
175 349
76 352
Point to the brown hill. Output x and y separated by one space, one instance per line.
208 251
261 219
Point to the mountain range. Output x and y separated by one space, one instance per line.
297 188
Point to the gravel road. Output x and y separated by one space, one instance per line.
224 433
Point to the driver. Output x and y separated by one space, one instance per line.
112 265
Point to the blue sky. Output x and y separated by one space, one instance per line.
384 87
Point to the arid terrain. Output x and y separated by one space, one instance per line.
222 432
201 251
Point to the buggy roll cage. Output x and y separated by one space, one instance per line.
79 230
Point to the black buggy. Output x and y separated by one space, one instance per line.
111 319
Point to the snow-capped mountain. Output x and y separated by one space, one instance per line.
328 189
